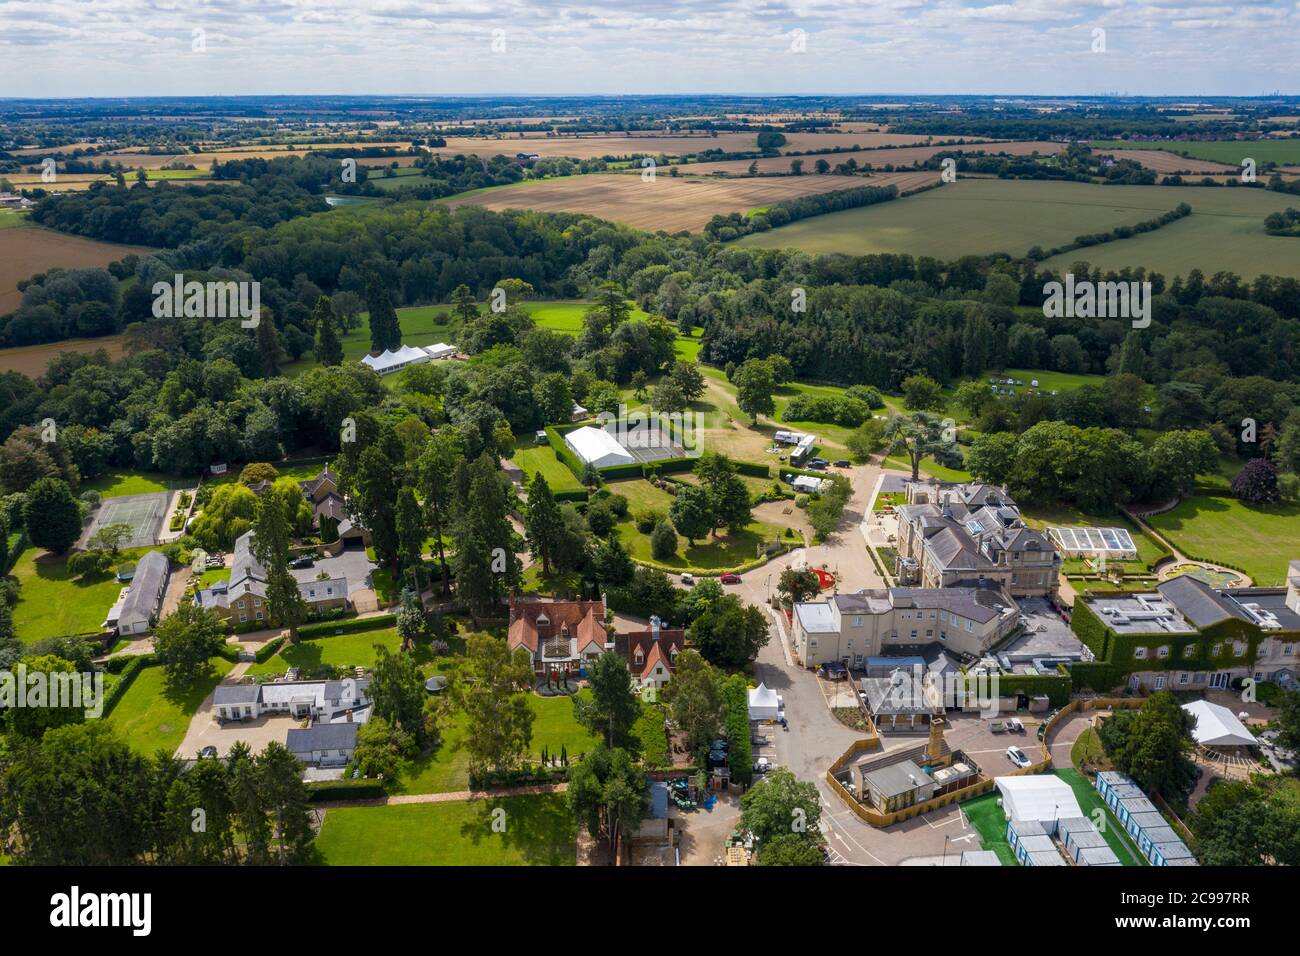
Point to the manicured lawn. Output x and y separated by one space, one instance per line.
343 650
1113 832
1259 540
554 727
118 483
538 831
151 717
51 603
534 459
929 467
299 470
707 554
446 769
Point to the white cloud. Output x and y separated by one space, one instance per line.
140 47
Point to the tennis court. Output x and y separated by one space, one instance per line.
648 442
144 513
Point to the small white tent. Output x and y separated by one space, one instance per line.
1216 726
597 447
1044 798
763 704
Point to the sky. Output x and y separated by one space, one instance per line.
57 48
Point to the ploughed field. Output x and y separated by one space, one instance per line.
670 203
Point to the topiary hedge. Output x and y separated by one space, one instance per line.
356 625
323 791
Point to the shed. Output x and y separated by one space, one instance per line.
1096 856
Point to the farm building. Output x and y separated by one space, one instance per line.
597 447
1218 727
1156 839
143 598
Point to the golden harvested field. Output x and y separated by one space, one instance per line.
588 147
669 203
135 159
27 250
905 156
31 360
1161 161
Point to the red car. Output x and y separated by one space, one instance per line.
730 579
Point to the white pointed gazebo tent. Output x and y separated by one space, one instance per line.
763 704
1043 798
1216 726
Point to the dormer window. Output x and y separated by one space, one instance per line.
640 655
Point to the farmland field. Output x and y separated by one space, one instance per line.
980 216
25 251
672 204
876 158
32 360
1230 151
540 831
1163 161
590 147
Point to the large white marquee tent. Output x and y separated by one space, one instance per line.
1216 726
1043 798
597 447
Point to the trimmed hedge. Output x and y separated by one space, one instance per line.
355 626
323 791
130 671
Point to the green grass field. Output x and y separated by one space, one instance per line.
151 717
708 554
51 603
1260 540
115 484
1285 152
534 459
446 769
538 831
343 650
981 216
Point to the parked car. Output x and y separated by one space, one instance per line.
688 580
730 579
306 561
817 463
208 751
1017 757
1015 726
842 463
762 765
998 726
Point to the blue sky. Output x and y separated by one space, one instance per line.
51 48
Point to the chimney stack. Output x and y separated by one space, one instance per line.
654 627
